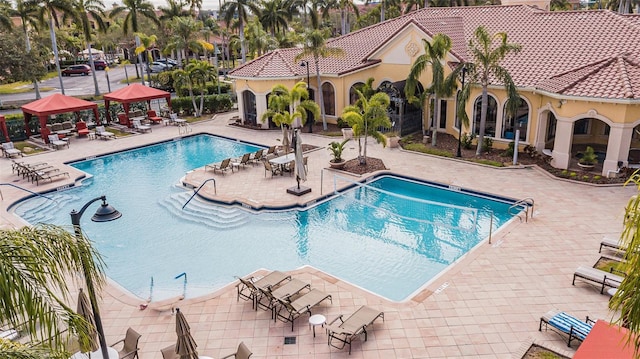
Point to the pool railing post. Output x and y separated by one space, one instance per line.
490 226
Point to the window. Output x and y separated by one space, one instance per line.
443 113
581 127
492 115
551 126
250 112
519 120
329 98
353 96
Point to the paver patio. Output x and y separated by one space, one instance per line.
486 306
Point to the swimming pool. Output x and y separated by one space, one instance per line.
399 245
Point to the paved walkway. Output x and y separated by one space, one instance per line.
486 306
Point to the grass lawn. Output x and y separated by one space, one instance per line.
28 148
117 132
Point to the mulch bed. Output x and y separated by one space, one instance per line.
373 164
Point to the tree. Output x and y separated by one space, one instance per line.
184 37
274 16
37 263
87 13
173 10
241 10
146 43
366 116
433 57
5 16
133 8
286 106
18 65
315 45
485 65
259 40
194 76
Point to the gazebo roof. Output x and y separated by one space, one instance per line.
57 103
136 93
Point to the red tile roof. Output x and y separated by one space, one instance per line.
573 53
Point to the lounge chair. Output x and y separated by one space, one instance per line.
82 129
268 167
153 117
567 324
351 328
48 175
104 134
9 150
598 276
24 169
129 344
169 352
242 353
257 156
268 297
244 160
56 142
140 127
289 311
248 288
611 243
223 166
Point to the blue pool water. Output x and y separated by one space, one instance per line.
367 236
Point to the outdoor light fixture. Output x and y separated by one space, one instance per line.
459 152
304 63
105 213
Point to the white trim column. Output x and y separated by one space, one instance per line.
240 105
562 144
261 107
617 148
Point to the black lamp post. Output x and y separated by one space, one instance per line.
459 153
304 63
105 213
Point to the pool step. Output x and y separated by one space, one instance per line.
209 214
45 209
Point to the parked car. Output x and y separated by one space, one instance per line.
100 64
169 62
77 70
158 66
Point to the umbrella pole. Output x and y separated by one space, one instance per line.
298 179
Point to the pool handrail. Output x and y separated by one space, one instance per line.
24 189
215 190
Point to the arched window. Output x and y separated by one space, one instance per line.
249 107
519 120
329 98
492 115
353 96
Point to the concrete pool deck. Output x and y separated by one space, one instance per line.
486 306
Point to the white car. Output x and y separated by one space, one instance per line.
158 67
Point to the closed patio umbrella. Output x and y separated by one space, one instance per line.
185 346
301 175
84 309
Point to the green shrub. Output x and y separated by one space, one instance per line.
597 178
510 149
467 140
342 123
487 144
573 174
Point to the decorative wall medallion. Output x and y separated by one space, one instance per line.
412 49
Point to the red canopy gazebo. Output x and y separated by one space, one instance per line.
54 104
135 93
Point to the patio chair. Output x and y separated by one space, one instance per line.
56 142
153 117
268 167
55 127
248 288
140 127
9 150
257 156
48 175
123 119
244 160
104 134
242 353
82 129
564 323
611 243
289 311
129 344
271 150
169 352
606 279
268 297
351 328
67 125
223 166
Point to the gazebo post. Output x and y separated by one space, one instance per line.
3 127
107 115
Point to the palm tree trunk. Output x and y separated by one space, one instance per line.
28 46
382 11
436 118
93 70
193 100
343 22
324 117
243 50
54 46
483 119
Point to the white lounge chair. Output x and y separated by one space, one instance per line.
104 134
56 142
140 127
9 150
598 276
611 243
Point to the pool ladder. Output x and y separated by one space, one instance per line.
184 285
525 203
215 190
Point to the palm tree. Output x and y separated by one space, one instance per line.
259 40
5 16
173 10
434 56
241 10
345 7
146 43
366 116
133 8
286 106
315 45
184 37
487 55
47 13
274 15
27 11
194 76
37 263
88 11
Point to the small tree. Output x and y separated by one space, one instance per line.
365 117
285 106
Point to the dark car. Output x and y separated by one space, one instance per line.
100 64
77 70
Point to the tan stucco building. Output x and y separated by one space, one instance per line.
578 74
